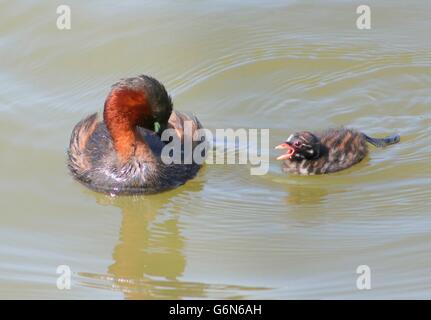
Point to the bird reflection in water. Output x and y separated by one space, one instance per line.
149 258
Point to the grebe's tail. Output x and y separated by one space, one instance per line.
77 161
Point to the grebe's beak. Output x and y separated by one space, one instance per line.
290 151
157 127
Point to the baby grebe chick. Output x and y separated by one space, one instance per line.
122 153
330 151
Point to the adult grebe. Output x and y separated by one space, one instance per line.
122 153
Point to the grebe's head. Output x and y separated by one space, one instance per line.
139 101
300 146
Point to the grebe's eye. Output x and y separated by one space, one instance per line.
297 144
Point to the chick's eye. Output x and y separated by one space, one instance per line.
297 144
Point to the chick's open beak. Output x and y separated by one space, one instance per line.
289 153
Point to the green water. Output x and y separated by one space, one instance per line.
281 65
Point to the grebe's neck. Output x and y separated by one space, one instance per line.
124 111
125 140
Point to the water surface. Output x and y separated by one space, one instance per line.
281 65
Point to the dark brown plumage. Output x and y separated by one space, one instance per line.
330 151
122 153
